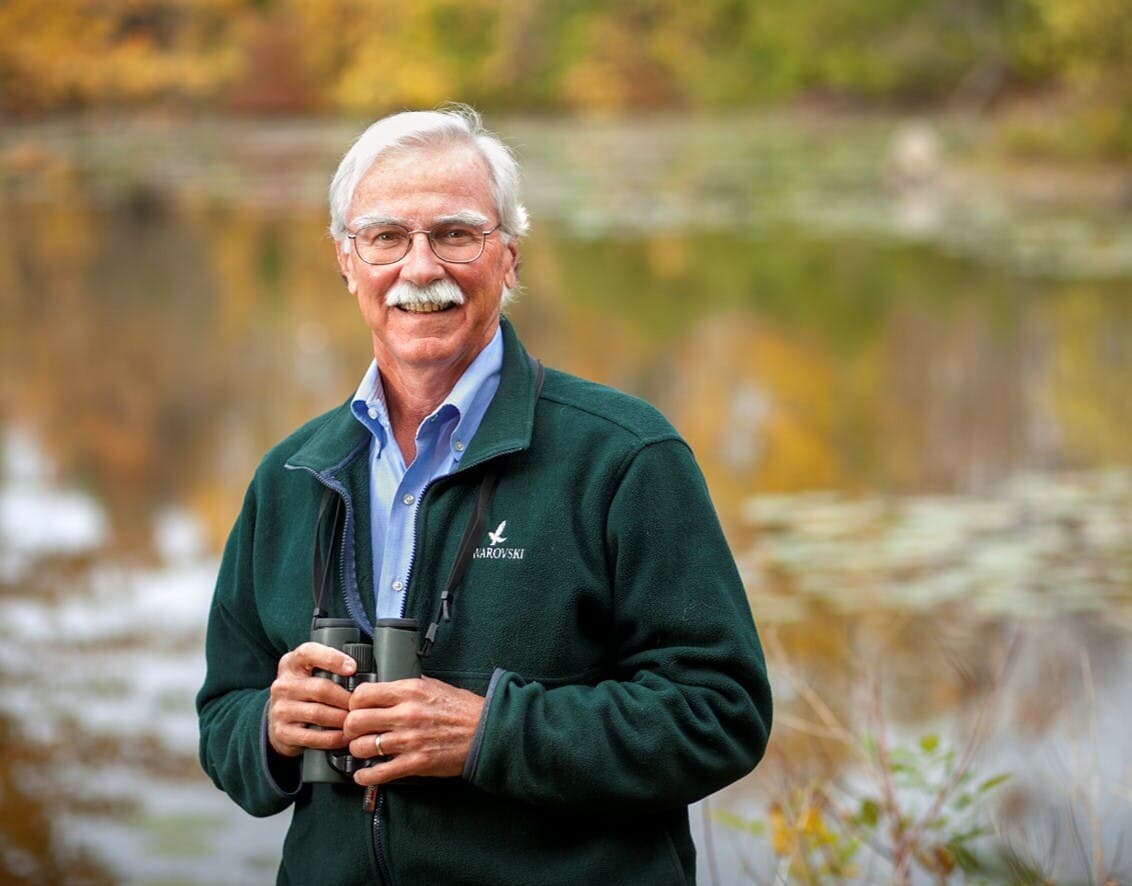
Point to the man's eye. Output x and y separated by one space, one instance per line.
454 235
382 238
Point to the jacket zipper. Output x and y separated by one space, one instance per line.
378 852
359 618
413 549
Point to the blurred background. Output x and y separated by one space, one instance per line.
873 260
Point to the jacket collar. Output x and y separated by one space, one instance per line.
506 425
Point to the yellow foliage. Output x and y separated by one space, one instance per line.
783 839
800 834
812 826
807 830
379 57
367 57
1091 39
83 51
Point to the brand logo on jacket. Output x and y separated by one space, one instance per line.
495 549
497 536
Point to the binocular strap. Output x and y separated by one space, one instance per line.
320 578
472 532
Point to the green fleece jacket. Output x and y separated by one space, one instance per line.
613 641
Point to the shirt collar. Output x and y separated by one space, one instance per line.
368 405
470 397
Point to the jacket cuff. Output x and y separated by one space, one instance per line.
284 775
481 728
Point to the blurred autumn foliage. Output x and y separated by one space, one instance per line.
358 56
76 53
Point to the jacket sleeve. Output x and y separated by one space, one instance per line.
687 709
232 703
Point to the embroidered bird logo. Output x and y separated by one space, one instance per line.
497 537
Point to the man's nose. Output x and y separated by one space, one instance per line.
421 266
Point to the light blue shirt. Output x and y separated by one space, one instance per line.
394 488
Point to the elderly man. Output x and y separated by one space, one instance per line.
589 666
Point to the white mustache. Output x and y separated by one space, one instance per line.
440 293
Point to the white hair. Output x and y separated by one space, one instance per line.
453 124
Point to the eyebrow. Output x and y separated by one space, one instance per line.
463 217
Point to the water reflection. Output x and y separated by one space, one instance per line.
30 849
1039 544
921 455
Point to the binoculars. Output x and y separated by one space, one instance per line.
391 656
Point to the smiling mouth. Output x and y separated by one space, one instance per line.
427 307
435 298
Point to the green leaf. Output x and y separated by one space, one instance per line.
731 820
973 833
929 744
968 862
869 814
993 782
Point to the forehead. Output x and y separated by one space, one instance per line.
416 184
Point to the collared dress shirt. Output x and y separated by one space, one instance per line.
395 488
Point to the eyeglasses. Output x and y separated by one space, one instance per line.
384 244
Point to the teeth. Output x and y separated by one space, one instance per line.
425 308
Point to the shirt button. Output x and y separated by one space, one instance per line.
398 584
458 445
407 498
372 412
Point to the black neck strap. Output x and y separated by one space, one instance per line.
473 531
320 569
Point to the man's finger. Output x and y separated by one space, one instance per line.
311 656
311 714
369 721
384 695
391 770
294 687
366 746
300 737
322 690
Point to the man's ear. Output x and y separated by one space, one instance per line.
511 275
345 256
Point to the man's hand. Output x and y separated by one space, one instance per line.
299 701
426 728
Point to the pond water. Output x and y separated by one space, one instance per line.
905 376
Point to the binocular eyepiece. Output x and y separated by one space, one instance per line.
391 656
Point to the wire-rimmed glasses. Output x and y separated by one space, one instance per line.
386 243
